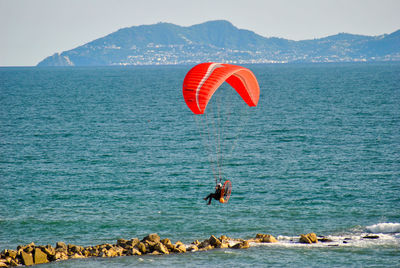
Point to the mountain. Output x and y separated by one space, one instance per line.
166 43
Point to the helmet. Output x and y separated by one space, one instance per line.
219 185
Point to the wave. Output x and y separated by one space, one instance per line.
384 228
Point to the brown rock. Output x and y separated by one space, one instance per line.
142 247
215 242
72 249
27 258
196 242
223 237
161 248
77 256
206 248
122 242
192 248
61 255
308 238
39 256
204 244
152 238
61 245
324 240
242 245
10 253
133 251
133 242
269 239
224 244
166 242
179 247
49 250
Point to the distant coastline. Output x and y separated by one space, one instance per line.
220 41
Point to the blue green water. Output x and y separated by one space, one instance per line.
90 155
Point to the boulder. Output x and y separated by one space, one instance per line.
196 242
308 238
324 239
161 248
266 238
39 256
179 247
61 255
142 248
204 244
152 237
215 242
9 253
122 242
49 250
61 245
192 247
166 242
72 249
242 245
133 251
26 258
77 256
133 242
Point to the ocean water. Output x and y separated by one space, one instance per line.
90 155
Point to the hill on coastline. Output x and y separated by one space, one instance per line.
166 43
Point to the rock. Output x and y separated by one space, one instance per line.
371 237
61 255
215 242
196 242
10 253
142 247
61 245
265 238
122 242
324 240
27 258
77 256
179 247
152 237
167 243
3 263
206 248
133 251
242 245
204 244
72 249
49 250
308 238
161 248
224 244
39 256
133 242
223 237
192 248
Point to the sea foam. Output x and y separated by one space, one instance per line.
384 228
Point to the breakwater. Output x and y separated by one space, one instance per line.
152 244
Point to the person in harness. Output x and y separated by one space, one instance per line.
216 195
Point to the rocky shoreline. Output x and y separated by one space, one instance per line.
152 244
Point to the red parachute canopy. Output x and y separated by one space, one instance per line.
203 80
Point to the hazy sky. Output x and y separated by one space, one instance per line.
31 30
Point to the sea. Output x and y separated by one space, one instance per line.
89 155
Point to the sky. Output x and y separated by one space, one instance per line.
31 30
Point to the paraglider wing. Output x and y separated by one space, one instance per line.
204 79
